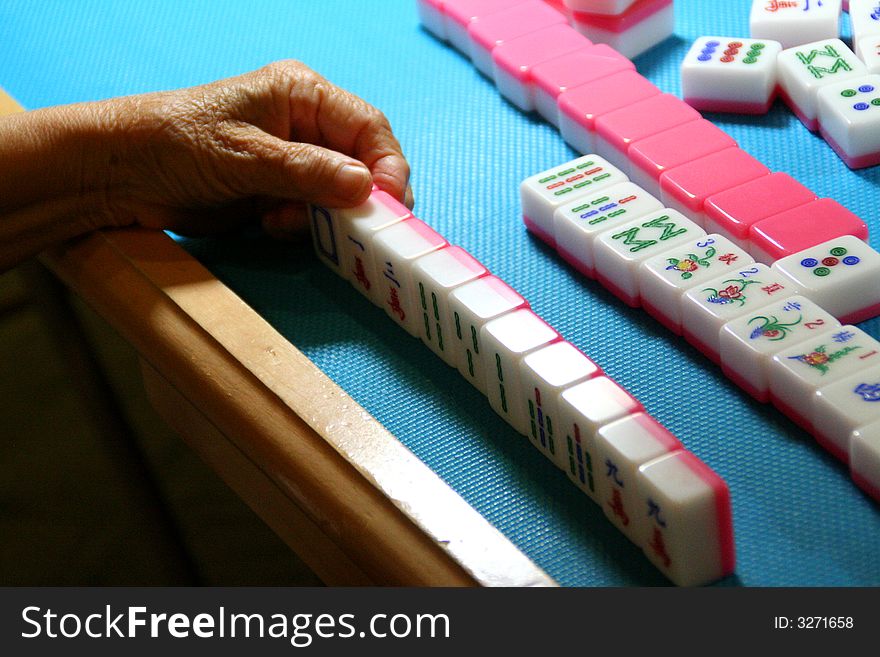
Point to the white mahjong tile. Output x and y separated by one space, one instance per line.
793 22
544 192
849 118
840 408
638 36
868 50
864 16
750 341
576 224
394 250
435 276
621 447
690 521
583 409
664 278
803 70
799 371
707 307
841 275
864 458
619 252
504 343
545 373
472 305
730 74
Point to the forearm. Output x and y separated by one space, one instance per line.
55 170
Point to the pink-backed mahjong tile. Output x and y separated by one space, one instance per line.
607 7
652 156
431 16
435 276
617 130
864 458
732 212
707 307
461 13
395 249
642 26
583 409
569 71
842 407
513 60
687 187
581 106
841 275
621 447
749 341
849 119
794 22
798 372
801 228
868 50
690 520
666 277
491 31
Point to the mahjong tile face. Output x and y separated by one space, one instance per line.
868 50
841 275
849 118
793 22
725 74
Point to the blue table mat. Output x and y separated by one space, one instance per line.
798 519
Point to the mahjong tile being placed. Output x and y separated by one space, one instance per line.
544 192
395 249
849 120
723 74
619 252
583 409
472 305
621 448
519 19
665 278
577 224
690 520
581 106
841 275
505 341
686 187
794 22
574 69
513 60
707 307
799 371
617 130
652 156
545 374
343 239
641 26
802 227
842 407
868 50
434 277
803 70
864 458
732 212
749 342
460 14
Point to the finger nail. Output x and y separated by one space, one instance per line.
408 198
352 181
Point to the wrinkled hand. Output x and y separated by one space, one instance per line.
262 144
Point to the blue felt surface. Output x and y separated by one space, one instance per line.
798 519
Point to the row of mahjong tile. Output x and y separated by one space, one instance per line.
756 321
476 27
770 218
602 105
657 493
824 83
795 22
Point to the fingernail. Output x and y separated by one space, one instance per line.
352 181
408 198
